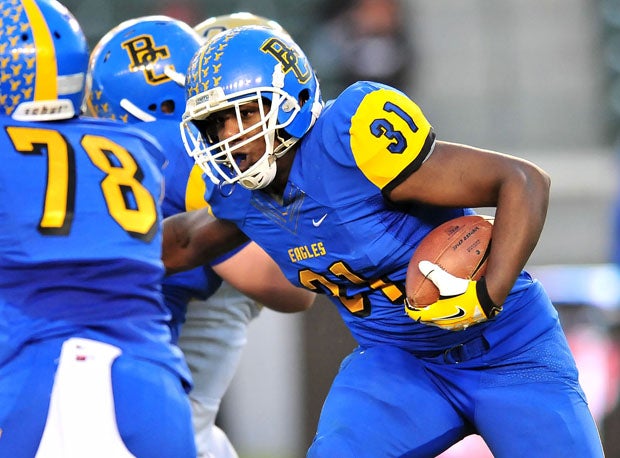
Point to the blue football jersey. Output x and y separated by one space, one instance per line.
80 249
335 233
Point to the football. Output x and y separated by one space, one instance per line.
459 246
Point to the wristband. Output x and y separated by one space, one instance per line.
489 308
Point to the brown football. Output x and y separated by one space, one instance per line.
459 246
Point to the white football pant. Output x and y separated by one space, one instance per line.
212 340
83 385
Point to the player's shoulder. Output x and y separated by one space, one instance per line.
120 131
81 125
361 95
168 135
377 129
360 89
114 127
362 104
333 127
4 119
161 128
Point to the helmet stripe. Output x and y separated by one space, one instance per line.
46 79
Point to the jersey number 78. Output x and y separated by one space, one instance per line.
122 179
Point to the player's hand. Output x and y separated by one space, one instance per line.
461 302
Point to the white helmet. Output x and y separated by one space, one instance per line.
210 27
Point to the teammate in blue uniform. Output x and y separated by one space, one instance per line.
340 196
87 368
210 320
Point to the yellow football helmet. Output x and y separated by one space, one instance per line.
210 27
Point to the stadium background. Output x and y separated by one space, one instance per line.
533 78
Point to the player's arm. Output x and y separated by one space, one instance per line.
463 176
253 272
195 238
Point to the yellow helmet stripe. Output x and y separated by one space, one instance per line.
46 80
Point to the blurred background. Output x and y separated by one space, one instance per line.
539 79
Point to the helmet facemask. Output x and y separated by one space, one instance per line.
216 157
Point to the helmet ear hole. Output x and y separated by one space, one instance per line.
304 96
167 106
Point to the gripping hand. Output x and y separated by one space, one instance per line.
461 302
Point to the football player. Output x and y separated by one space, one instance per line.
340 196
210 27
149 55
87 368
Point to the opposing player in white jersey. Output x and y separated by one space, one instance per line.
210 27
87 368
210 317
340 195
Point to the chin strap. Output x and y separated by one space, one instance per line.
264 175
175 76
284 146
317 106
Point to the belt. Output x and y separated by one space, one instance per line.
459 353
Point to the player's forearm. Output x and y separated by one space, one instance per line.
252 272
519 220
195 238
290 300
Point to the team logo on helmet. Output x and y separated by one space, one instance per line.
143 54
288 57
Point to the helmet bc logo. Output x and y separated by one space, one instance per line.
143 54
287 57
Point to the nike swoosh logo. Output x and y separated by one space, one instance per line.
460 312
317 223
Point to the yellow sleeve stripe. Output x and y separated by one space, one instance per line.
388 135
46 79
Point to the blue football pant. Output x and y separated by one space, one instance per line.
385 402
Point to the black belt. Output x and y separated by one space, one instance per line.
459 353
